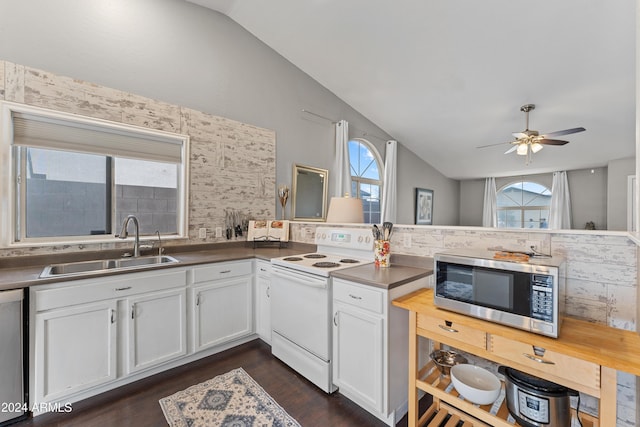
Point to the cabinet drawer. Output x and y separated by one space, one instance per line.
263 268
552 363
89 290
442 326
358 295
221 270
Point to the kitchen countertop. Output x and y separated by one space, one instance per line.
25 271
402 270
22 272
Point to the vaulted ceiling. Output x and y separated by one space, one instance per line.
444 77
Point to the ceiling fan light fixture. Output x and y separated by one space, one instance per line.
535 147
523 149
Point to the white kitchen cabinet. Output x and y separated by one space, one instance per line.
81 330
75 349
358 355
221 303
370 343
263 300
157 328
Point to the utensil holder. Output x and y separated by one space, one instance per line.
382 252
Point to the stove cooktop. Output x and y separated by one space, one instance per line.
319 263
337 248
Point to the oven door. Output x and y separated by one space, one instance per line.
300 310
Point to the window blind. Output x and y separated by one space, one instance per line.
57 133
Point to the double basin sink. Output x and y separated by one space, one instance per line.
103 266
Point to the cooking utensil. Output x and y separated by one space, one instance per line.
387 227
445 359
377 234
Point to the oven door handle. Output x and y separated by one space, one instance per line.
302 279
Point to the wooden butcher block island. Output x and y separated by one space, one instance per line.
585 358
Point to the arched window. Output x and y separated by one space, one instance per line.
523 204
366 182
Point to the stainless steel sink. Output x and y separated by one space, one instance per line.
102 266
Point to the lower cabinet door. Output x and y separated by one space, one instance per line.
222 312
357 355
157 328
263 308
75 349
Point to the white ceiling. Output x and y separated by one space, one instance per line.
444 77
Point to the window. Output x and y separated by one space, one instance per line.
72 178
366 183
523 204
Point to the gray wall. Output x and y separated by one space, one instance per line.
412 173
186 55
619 170
588 196
588 189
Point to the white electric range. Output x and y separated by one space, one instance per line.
336 249
301 295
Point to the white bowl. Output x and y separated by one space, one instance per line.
475 384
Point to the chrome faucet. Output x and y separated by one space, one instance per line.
123 233
160 248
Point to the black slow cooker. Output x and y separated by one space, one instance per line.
535 402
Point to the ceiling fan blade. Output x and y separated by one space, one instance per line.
512 149
545 141
493 145
563 132
519 135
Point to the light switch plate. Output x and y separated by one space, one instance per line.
406 241
202 233
218 232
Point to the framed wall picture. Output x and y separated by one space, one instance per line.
424 206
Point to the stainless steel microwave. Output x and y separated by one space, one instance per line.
526 295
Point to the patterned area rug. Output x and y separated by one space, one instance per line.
233 399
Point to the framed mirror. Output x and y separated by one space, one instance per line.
309 198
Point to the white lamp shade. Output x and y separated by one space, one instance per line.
345 209
535 147
522 150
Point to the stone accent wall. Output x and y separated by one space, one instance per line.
232 164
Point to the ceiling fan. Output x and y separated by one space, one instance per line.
529 141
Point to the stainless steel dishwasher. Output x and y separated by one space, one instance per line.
12 387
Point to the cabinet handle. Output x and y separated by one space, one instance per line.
538 359
133 311
123 289
268 291
263 269
355 296
225 272
334 318
198 300
448 329
113 316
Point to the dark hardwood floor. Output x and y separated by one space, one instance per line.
137 404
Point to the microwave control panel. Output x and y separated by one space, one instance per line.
542 297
